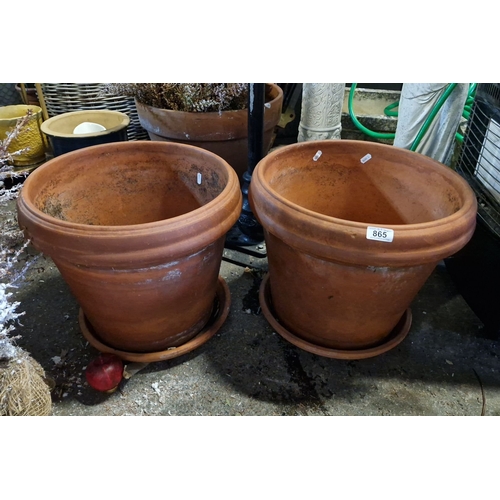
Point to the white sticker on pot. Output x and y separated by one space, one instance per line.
366 158
379 234
317 156
198 178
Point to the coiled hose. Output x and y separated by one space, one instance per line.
390 111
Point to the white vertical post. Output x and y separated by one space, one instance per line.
416 103
321 111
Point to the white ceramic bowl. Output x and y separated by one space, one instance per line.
88 128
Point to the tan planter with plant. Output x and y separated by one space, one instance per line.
29 145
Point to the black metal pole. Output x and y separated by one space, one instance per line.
248 231
256 101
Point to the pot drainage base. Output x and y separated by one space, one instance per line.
392 340
220 312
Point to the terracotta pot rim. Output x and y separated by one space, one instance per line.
468 203
361 226
122 246
333 238
46 125
210 126
147 227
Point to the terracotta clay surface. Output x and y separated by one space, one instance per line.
220 311
330 284
137 231
396 336
225 133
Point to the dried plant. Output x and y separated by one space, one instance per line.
7 158
11 242
193 97
23 386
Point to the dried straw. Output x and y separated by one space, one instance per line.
23 390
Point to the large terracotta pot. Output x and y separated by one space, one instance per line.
137 231
351 240
60 129
225 133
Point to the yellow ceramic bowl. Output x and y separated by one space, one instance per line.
30 139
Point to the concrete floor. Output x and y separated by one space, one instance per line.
248 369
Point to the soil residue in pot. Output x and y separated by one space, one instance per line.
54 208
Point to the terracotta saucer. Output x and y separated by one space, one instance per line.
392 340
220 312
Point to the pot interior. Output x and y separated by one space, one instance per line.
126 184
384 190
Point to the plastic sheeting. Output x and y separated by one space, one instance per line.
416 103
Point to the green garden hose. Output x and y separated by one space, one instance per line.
360 126
435 110
389 111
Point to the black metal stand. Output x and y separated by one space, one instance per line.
247 231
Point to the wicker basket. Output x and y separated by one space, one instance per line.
58 98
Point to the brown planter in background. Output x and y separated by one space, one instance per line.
225 133
331 289
137 231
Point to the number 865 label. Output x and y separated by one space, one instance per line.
379 234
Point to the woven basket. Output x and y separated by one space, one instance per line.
66 97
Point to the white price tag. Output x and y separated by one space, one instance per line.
198 178
366 158
379 234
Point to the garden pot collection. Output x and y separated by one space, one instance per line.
60 129
137 231
353 230
224 133
30 139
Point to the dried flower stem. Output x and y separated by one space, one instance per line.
10 272
6 158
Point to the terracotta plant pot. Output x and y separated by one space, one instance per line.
225 133
137 231
30 138
60 129
331 288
